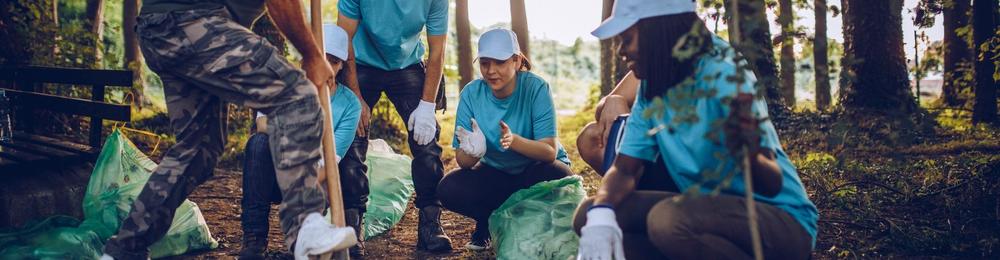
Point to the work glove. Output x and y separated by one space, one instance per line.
472 142
422 123
601 238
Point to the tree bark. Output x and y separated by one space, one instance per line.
984 29
464 32
95 18
608 57
787 59
875 74
519 24
958 52
133 58
821 66
756 45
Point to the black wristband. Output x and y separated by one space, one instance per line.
608 206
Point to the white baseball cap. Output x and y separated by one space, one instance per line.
626 13
499 44
335 41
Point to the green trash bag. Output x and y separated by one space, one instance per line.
390 186
537 222
119 175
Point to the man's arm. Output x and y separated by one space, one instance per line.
288 17
620 181
435 66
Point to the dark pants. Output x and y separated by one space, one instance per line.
260 188
404 88
706 227
477 192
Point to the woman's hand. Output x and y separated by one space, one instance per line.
611 107
472 143
506 137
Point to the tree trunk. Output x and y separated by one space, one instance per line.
133 58
875 75
787 59
821 65
464 32
608 57
755 44
519 24
95 16
984 29
957 54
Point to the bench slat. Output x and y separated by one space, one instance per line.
67 105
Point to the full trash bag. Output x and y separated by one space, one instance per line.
537 222
390 185
119 175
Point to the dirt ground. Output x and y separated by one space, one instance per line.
219 200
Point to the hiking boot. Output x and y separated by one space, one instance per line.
317 238
430 236
480 238
253 247
355 219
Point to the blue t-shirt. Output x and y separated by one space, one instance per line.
684 147
345 109
528 112
388 35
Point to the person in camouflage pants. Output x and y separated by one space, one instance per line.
205 60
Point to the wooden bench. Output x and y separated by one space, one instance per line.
42 175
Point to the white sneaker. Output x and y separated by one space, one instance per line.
319 239
106 257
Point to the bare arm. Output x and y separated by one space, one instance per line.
351 72
542 150
620 181
288 17
766 176
435 66
626 90
465 161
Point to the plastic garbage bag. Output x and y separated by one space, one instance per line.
390 185
119 175
537 222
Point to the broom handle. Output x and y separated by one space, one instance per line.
329 149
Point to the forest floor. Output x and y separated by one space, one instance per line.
883 189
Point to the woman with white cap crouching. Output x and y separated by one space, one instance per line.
505 135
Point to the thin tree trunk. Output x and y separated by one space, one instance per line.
821 65
519 24
133 58
984 29
787 59
464 32
95 16
876 75
957 52
755 44
607 54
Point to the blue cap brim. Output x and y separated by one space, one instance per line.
613 26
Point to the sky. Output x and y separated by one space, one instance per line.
567 20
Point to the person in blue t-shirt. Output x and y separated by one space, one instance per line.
385 56
697 82
260 186
505 135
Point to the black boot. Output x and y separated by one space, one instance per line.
430 236
481 237
254 247
355 219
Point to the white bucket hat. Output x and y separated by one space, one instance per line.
626 13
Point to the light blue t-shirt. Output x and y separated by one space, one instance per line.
685 149
388 35
345 109
528 112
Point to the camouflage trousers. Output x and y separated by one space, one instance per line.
206 60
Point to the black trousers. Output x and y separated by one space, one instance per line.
404 88
477 192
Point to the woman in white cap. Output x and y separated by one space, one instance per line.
690 73
260 186
505 135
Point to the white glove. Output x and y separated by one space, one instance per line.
601 238
472 143
422 123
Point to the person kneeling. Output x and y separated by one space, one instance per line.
621 221
260 186
512 143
